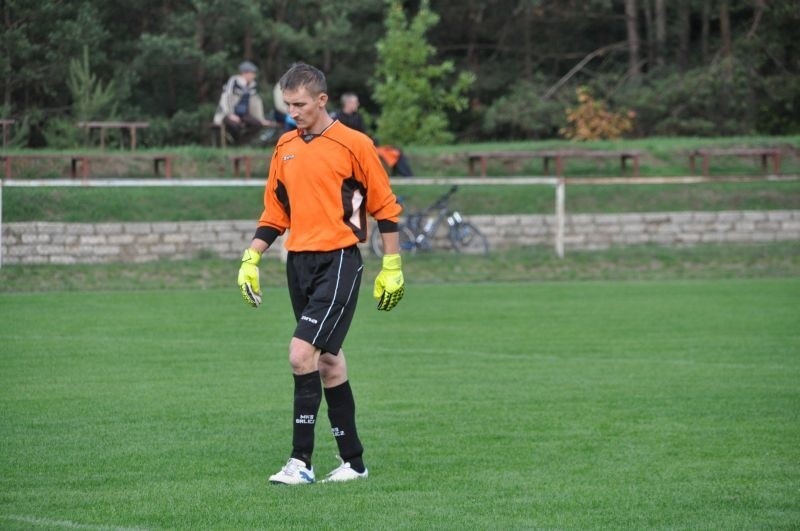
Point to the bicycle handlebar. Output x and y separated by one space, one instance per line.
444 198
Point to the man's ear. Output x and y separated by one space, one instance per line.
323 99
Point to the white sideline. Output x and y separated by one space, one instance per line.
47 522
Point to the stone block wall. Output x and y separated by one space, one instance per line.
71 243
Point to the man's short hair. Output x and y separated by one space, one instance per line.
303 75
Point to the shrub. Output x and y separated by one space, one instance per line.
591 120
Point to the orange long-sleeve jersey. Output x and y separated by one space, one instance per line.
322 187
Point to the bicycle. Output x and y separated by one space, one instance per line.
425 229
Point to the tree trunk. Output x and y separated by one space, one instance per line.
634 70
705 29
725 29
661 32
527 52
685 36
200 71
725 37
760 6
649 32
247 45
275 43
7 52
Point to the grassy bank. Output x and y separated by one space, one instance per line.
187 204
663 157
523 264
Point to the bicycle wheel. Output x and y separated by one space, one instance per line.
466 238
407 243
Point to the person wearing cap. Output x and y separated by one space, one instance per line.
240 108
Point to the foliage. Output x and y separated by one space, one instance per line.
414 93
523 113
91 99
591 120
166 57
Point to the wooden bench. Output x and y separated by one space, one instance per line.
765 154
237 161
6 123
102 126
157 159
559 155
81 164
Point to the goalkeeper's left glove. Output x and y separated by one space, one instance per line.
389 284
248 277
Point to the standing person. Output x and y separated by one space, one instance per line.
240 107
323 180
392 156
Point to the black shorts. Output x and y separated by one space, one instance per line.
323 287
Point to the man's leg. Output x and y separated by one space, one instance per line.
303 358
342 413
234 129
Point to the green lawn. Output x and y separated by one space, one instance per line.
606 404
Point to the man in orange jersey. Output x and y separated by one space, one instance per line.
324 179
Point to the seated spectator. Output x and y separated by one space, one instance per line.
393 157
240 107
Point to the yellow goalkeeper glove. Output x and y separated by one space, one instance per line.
248 278
389 284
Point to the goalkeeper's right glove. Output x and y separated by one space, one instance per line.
248 277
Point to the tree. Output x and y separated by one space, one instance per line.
414 93
634 70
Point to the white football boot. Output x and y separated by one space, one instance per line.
294 472
344 472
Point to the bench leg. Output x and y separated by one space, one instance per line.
247 167
484 164
133 138
168 167
776 163
559 166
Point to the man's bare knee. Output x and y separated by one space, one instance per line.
303 356
333 369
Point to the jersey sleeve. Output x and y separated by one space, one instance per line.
276 200
381 202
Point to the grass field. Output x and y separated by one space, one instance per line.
602 404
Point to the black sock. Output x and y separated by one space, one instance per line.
342 414
307 397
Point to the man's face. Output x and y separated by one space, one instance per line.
249 76
350 105
305 109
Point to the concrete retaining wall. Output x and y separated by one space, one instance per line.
70 243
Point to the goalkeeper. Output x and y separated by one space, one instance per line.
323 180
